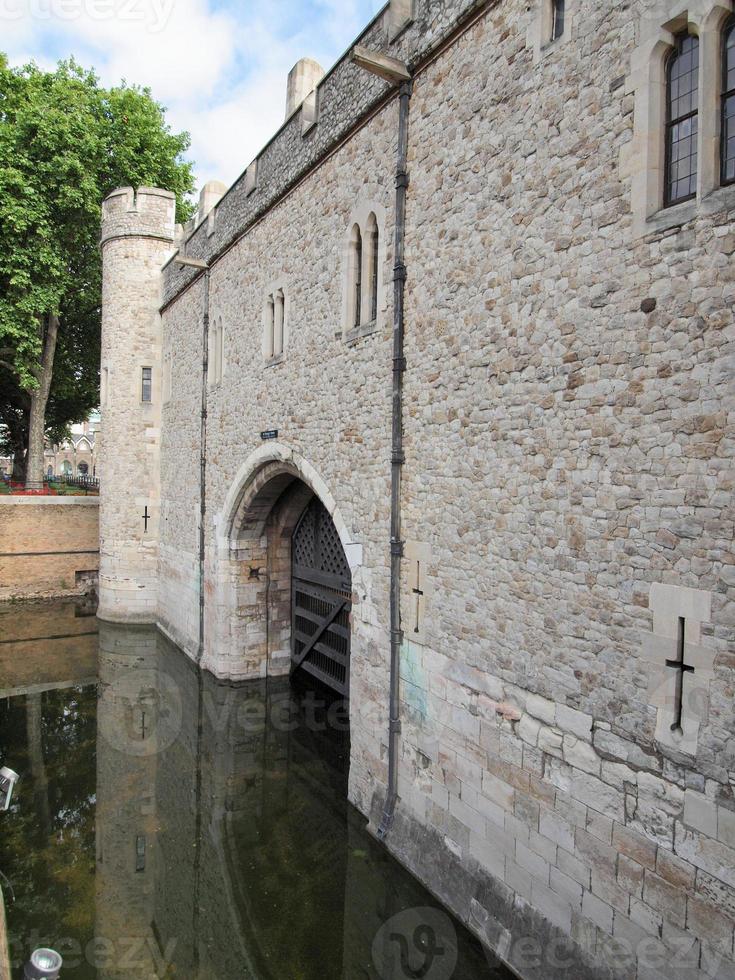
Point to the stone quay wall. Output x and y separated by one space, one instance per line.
567 491
49 546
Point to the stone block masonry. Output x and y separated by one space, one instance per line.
137 236
49 546
566 492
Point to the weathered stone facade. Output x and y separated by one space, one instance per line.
137 233
566 489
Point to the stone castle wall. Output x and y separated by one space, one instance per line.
565 451
567 487
178 581
309 397
345 97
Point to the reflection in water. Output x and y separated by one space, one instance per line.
221 844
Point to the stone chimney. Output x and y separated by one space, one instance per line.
302 80
209 197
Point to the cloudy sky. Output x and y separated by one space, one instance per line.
219 66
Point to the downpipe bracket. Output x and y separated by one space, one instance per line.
399 272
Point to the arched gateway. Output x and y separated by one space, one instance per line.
286 562
321 585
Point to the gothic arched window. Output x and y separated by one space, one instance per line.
371 233
275 325
727 138
270 324
278 323
363 254
557 19
216 352
219 352
356 276
682 108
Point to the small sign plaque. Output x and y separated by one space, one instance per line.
269 434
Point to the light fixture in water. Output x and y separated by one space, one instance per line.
43 963
8 779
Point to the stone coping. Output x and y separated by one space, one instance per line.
40 500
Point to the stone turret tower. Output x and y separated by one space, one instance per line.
137 237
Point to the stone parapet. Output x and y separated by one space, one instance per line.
345 95
148 212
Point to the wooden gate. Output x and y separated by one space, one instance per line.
320 600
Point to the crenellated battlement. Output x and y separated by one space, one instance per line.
148 212
407 30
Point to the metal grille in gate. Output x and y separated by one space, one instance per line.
321 600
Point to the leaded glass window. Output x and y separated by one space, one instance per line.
682 98
357 278
727 142
557 19
372 242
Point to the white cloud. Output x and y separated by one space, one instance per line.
227 135
221 71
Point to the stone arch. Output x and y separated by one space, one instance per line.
252 476
250 632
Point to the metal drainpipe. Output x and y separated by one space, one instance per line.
397 459
203 463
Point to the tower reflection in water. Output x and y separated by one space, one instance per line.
225 846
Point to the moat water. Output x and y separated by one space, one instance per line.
167 824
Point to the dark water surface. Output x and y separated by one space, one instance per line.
171 825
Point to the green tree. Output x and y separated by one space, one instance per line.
65 143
